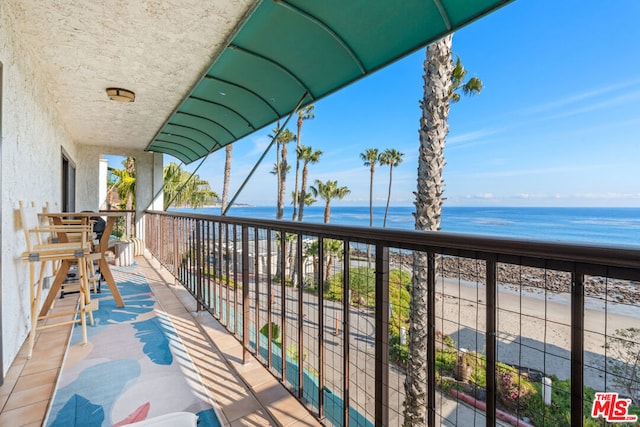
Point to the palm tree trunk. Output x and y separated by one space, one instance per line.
296 193
328 265
386 210
295 188
283 182
371 195
372 170
303 190
279 207
327 213
227 176
433 131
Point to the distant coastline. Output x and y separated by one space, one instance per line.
608 226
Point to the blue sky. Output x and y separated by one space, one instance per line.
557 124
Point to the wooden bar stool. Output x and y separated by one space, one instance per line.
43 249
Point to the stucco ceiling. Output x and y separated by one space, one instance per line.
205 74
157 48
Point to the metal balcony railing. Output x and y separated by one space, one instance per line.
518 332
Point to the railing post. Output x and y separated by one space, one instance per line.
321 327
211 282
431 339
300 317
490 339
198 256
245 292
382 336
235 279
174 241
269 298
346 268
577 348
283 303
217 283
227 280
256 282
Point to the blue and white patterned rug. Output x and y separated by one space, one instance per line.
134 367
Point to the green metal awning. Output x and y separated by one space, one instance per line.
288 48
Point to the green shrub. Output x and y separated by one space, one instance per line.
275 332
362 282
398 353
448 341
399 298
446 361
401 277
514 390
559 412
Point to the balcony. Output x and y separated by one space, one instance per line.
554 319
236 388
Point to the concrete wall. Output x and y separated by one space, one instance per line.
33 138
148 180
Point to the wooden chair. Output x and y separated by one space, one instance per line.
44 249
94 278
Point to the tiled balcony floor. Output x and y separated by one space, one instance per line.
246 395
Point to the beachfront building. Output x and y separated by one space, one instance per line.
80 80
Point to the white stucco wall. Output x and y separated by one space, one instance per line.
88 175
148 180
33 137
30 162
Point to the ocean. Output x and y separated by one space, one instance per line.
608 226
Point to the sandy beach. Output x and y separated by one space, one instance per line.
534 327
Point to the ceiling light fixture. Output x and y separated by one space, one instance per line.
120 95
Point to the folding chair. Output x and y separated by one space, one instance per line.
43 248
94 276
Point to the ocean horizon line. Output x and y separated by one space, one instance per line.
595 225
320 205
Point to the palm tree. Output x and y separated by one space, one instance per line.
184 188
227 177
276 170
311 251
328 191
276 166
370 158
305 113
197 192
308 199
393 158
308 156
332 248
125 186
284 138
442 81
473 86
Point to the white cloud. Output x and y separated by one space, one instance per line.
531 196
563 102
606 196
260 143
624 99
541 171
471 136
481 196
